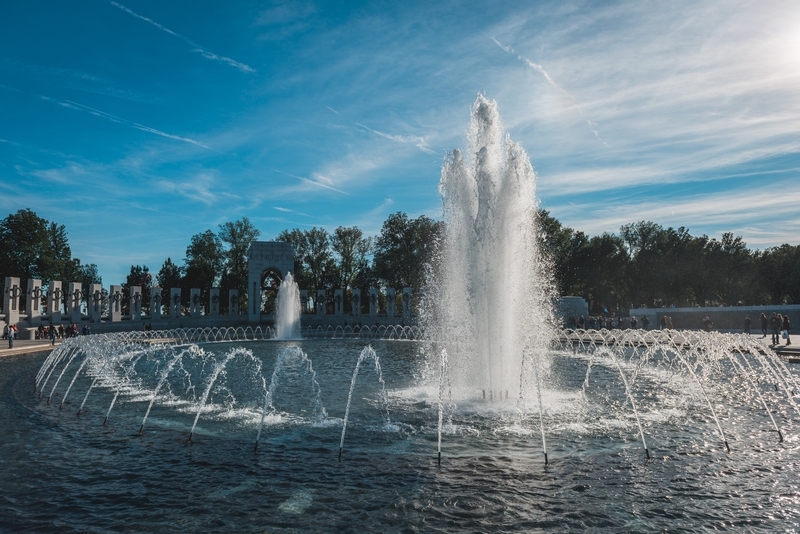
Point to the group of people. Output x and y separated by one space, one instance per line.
779 325
11 332
609 323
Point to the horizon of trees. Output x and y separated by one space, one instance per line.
644 264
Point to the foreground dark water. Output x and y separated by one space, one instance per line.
61 473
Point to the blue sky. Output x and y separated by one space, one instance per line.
138 124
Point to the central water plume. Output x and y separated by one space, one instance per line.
492 300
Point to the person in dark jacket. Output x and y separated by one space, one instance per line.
787 326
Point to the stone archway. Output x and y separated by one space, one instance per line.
264 256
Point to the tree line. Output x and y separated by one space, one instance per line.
644 264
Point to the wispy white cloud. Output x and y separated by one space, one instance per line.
419 142
195 47
201 188
74 105
317 182
537 67
287 210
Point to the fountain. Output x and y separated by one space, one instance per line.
287 309
485 417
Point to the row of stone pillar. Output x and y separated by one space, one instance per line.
96 295
355 298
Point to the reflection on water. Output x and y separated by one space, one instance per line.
62 473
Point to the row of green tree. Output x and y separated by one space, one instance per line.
649 265
645 264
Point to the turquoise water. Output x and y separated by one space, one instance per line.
62 473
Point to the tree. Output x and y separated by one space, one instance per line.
203 265
238 236
404 250
351 248
139 276
299 243
35 248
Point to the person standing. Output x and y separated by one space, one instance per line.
747 324
787 326
764 323
10 338
52 335
775 326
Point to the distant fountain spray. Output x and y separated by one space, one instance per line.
287 313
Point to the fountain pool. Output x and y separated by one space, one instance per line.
68 473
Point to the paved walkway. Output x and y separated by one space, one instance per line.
26 346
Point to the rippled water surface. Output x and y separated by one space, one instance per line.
62 473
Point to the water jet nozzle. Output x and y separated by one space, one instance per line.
105 421
48 401
780 436
545 459
440 458
141 429
340 455
726 446
255 449
190 437
647 452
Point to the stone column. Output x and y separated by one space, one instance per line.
155 303
33 302
407 292
390 299
321 302
115 303
304 301
356 302
54 294
213 302
74 298
175 302
338 302
373 302
194 302
95 302
136 303
233 302
11 294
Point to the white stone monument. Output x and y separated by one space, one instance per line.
136 303
356 302
194 302
115 303
175 302
213 302
338 302
33 302
11 294
233 302
407 293
390 302
96 302
54 294
373 302
155 303
74 298
265 256
320 302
